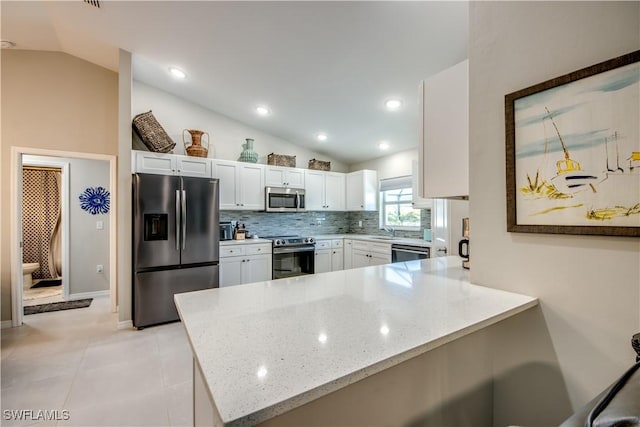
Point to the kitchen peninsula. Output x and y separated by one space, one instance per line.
316 349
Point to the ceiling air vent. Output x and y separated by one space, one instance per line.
95 3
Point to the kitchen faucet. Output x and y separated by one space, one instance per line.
390 230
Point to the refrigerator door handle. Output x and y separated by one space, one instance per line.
177 220
184 219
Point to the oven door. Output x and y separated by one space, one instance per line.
293 261
402 253
284 199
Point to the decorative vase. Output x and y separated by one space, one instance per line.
196 149
248 155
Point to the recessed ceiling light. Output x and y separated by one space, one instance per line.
393 104
384 145
177 73
322 136
262 110
7 44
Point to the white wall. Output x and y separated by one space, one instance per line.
88 246
227 135
589 287
397 164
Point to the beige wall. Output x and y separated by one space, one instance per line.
589 287
53 101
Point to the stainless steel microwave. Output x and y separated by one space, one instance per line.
284 199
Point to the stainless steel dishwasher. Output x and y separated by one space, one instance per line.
402 253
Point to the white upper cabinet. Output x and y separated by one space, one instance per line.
416 187
241 185
194 166
324 191
170 164
155 163
278 176
362 191
444 133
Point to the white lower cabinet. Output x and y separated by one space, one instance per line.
348 254
244 263
329 256
365 254
337 259
322 262
337 255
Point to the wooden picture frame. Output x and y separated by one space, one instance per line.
573 152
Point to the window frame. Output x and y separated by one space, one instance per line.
383 204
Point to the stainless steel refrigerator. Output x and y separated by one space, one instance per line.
175 242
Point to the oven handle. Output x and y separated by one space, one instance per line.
277 251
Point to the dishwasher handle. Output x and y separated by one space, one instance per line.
410 249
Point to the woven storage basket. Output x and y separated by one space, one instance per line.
281 160
152 134
319 165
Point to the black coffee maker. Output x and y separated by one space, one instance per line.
463 245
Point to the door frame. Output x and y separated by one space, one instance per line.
64 208
16 222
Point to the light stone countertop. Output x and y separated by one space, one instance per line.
243 242
268 347
377 239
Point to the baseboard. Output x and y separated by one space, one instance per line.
83 295
126 324
6 324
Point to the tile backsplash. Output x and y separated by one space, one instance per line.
315 223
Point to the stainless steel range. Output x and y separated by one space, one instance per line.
292 256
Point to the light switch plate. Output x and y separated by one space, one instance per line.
99 225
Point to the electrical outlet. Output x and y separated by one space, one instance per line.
99 268
359 223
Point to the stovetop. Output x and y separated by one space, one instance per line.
291 240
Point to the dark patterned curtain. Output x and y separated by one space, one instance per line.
41 220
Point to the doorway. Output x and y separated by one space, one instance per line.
45 230
59 159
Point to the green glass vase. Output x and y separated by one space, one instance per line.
248 155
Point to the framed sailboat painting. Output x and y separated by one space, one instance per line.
573 152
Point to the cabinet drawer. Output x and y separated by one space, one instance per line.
257 249
382 248
337 243
227 251
323 244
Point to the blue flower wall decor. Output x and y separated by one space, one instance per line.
95 200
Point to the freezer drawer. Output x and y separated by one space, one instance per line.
153 292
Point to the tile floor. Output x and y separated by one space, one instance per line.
76 360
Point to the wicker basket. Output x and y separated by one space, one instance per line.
151 133
281 160
319 165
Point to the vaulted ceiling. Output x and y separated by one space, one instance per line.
319 66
